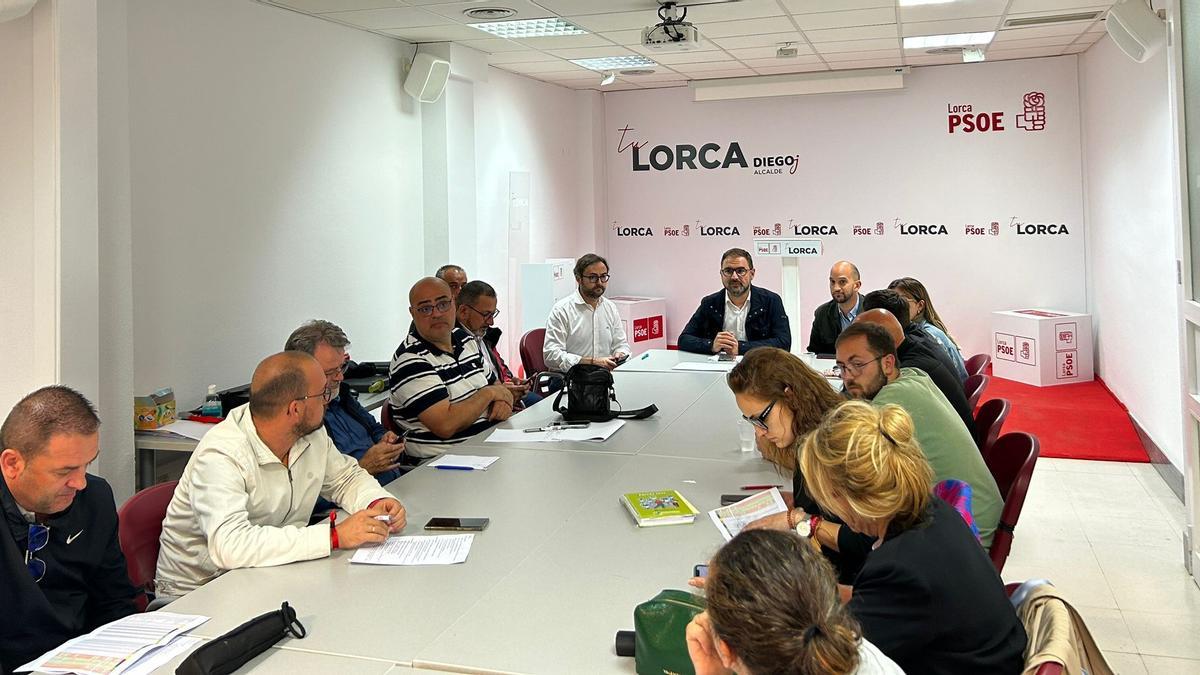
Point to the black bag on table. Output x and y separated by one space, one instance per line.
589 390
232 650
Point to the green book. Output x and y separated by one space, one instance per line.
664 507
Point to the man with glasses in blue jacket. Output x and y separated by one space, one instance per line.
737 318
439 389
63 571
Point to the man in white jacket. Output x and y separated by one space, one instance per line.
248 490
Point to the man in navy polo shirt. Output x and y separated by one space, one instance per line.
439 388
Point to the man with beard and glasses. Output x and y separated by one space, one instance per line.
867 364
831 318
738 318
246 495
584 327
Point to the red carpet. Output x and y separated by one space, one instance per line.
1072 421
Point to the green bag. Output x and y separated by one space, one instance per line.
660 625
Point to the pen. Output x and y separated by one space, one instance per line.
645 356
447 467
752 487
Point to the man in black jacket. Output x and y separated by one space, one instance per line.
831 318
63 571
738 318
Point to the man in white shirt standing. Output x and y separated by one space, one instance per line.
249 488
584 327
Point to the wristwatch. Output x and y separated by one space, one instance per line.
808 526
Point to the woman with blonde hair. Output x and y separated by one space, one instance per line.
927 594
773 607
784 400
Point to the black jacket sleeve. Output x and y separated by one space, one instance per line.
780 329
693 339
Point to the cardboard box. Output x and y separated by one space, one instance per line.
154 411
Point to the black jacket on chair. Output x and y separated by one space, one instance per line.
826 327
766 324
85 586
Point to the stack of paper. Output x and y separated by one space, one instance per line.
594 431
734 518
467 462
446 549
121 646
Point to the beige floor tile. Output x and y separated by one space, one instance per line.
1109 495
1162 665
1069 565
1149 532
1170 635
1109 629
1125 664
1087 466
1148 579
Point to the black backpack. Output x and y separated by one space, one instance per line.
589 389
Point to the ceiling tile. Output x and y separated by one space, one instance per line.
765 52
953 26
855 33
747 27
798 68
568 7
530 56
434 33
1042 31
733 11
319 6
932 59
869 63
524 8
709 67
400 17
624 37
619 85
601 23
762 40
857 45
1054 6
692 57
1031 53
857 17
706 46
711 74
1077 48
494 45
813 6
1035 42
564 41
893 54
590 52
653 77
543 67
963 9
759 64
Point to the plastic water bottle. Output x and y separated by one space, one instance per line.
212 403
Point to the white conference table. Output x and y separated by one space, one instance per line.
558 571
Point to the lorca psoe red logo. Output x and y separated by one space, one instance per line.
1034 117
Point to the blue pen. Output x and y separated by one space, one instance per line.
645 356
447 467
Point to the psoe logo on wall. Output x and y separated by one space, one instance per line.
877 230
684 230
631 230
971 230
648 328
962 117
920 229
1038 228
709 156
769 230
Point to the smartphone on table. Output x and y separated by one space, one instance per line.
700 571
458 524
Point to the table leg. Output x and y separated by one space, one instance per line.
146 468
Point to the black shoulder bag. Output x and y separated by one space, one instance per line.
233 649
589 389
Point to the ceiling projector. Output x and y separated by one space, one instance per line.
673 33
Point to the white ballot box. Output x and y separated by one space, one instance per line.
1042 347
645 321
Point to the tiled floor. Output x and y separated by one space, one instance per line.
1109 534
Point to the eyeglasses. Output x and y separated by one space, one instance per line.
332 372
735 272
440 306
326 393
487 315
851 368
39 536
760 420
593 278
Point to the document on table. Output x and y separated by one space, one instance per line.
707 366
734 518
445 549
472 462
185 428
596 431
115 647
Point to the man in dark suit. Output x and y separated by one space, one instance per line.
831 318
63 573
739 317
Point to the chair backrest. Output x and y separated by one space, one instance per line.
989 420
974 388
139 524
977 365
386 419
531 351
1010 460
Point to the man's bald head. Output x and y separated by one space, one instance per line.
844 284
844 268
431 304
280 379
428 288
884 319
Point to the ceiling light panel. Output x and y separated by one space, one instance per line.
955 40
615 62
528 28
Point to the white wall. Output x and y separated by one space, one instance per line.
276 176
864 159
1131 237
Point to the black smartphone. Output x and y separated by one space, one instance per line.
700 571
622 359
726 500
726 356
458 524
